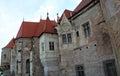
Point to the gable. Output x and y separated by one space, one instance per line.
65 25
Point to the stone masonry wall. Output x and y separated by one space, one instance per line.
90 51
113 21
23 47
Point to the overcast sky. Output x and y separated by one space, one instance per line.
13 12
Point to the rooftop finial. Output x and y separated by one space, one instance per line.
57 17
47 15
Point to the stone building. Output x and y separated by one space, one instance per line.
48 46
83 42
28 42
7 57
111 10
85 39
29 57
24 48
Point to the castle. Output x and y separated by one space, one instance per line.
83 42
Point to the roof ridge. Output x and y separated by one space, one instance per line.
29 22
81 5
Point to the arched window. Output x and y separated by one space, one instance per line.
27 66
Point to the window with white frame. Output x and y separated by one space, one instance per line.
51 46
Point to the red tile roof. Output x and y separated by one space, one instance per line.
30 29
27 29
45 26
67 13
81 5
10 44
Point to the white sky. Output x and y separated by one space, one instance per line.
12 13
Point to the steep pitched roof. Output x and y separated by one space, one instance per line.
31 29
67 13
45 26
10 44
49 26
27 29
81 5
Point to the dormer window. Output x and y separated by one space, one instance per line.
86 28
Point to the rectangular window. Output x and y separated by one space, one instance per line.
79 70
110 69
86 28
64 39
69 38
42 46
51 45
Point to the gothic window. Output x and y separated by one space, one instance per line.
86 28
110 69
51 45
79 70
42 46
77 33
64 38
28 66
69 38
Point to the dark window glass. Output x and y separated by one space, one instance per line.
77 33
19 50
64 39
17 67
69 38
86 28
51 45
80 71
27 66
110 68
